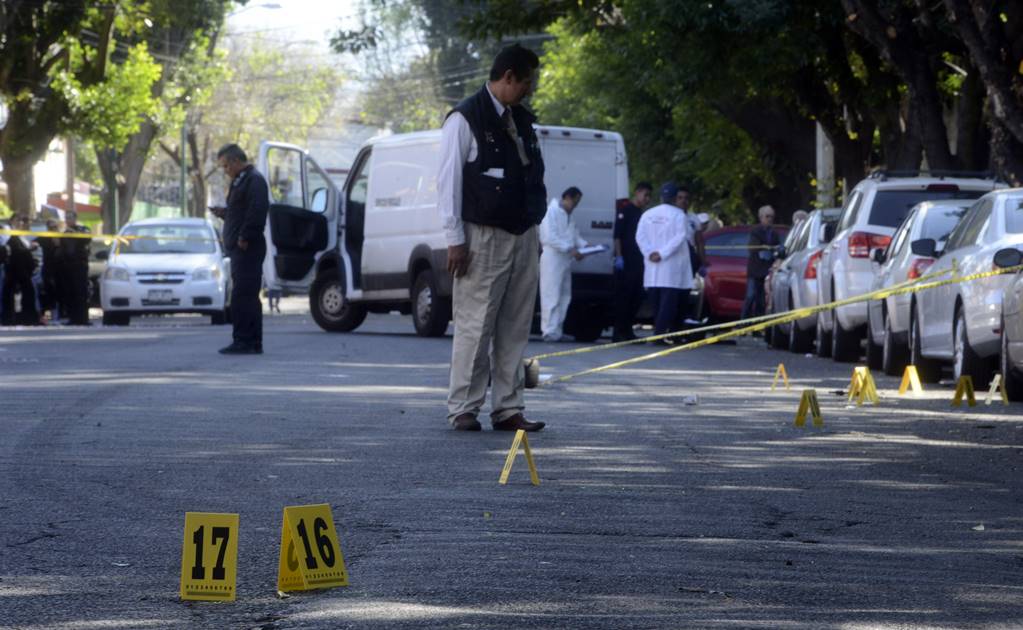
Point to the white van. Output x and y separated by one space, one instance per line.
377 244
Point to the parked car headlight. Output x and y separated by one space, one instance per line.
119 274
203 274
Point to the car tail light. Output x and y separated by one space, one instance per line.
943 188
811 265
861 243
920 265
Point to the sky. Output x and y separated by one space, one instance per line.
311 21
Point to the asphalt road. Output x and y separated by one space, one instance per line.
650 513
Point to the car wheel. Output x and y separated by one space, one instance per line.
823 339
845 344
1013 379
330 308
928 370
893 355
219 319
116 319
430 312
800 341
874 350
966 362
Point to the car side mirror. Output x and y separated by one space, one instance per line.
927 247
103 255
878 256
1008 257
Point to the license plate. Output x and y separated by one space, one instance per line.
161 296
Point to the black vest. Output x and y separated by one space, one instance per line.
517 201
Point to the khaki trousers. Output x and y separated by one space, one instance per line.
493 309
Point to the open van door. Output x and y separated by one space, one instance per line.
304 218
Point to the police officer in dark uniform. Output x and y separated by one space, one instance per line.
74 261
18 277
50 298
628 273
244 220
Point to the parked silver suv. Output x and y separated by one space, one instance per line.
872 212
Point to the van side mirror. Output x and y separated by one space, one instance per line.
927 247
878 255
1008 257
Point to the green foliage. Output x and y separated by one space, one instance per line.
109 112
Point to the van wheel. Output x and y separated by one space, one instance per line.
588 331
430 312
330 308
116 319
928 370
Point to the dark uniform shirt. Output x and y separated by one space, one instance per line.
75 251
247 205
626 223
760 258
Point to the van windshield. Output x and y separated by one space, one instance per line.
168 239
891 206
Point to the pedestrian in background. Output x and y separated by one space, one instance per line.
18 277
74 261
628 264
663 238
491 197
248 201
763 241
561 242
799 216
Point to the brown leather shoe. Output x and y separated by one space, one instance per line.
516 422
466 422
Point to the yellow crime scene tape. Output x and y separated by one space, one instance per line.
110 238
744 327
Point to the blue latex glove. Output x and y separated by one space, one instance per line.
619 263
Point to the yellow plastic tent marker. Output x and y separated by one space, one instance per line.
780 373
997 386
520 438
911 380
310 555
964 388
808 404
862 386
209 557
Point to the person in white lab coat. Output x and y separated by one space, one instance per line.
561 242
663 238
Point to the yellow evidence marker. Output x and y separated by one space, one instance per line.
964 388
209 557
997 386
780 373
310 556
862 386
808 403
911 380
520 438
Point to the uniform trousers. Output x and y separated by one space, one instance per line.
246 282
555 291
628 287
493 307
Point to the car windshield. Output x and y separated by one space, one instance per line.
941 220
891 206
1014 215
168 239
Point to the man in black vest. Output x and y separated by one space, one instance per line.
244 220
18 277
492 198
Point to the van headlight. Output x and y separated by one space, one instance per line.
119 274
205 274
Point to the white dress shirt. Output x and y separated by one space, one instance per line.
665 229
457 146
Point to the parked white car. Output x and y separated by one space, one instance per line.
794 281
166 266
872 212
888 319
377 245
1011 355
961 323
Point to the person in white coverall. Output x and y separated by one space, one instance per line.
663 237
561 242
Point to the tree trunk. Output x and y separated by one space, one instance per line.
20 185
972 137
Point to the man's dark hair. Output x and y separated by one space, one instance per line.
517 58
682 188
232 152
644 186
572 192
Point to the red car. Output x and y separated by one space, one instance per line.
724 288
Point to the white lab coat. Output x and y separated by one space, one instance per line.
558 236
665 229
